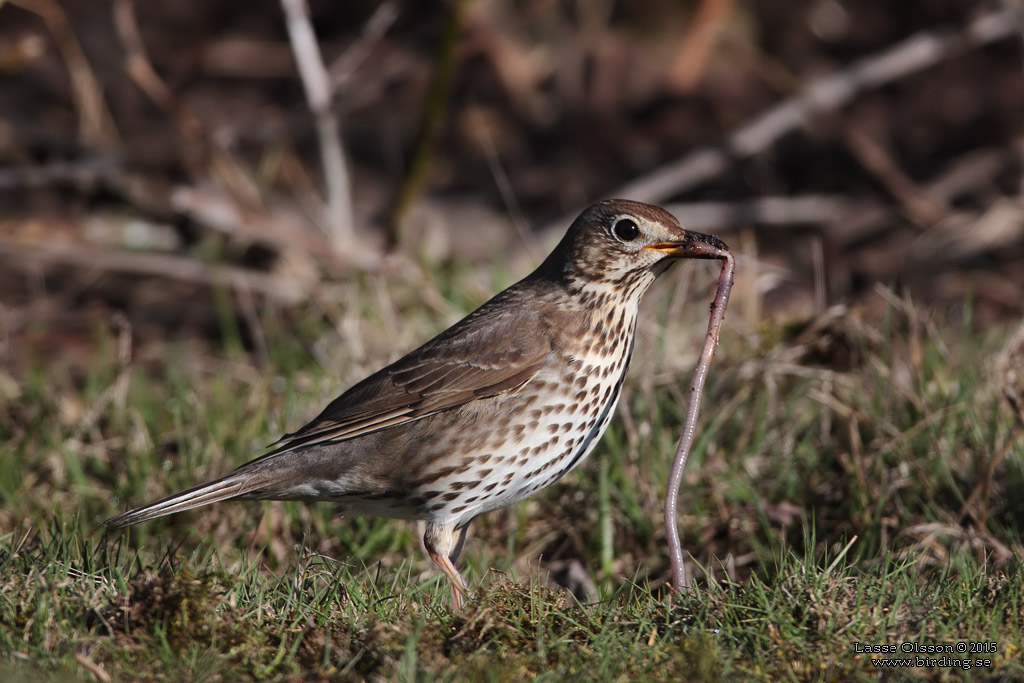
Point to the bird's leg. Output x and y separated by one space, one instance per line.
439 540
460 589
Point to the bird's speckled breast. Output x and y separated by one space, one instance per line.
550 425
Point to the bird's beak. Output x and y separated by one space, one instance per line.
693 245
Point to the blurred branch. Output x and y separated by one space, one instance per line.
95 124
970 173
849 219
877 160
695 47
142 73
55 173
963 235
283 290
726 216
436 107
316 83
828 94
377 25
272 227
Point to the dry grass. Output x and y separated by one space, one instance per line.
853 481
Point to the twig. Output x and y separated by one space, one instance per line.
696 46
140 69
720 216
849 219
79 172
508 196
971 172
145 76
92 667
983 489
704 247
878 161
317 85
964 234
270 227
435 108
916 53
117 392
95 124
154 265
377 25
255 325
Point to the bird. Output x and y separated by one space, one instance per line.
500 405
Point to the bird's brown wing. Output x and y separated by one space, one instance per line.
494 350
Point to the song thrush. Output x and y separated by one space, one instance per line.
500 405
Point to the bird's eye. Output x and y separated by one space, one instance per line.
626 230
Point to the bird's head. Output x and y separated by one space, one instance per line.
625 245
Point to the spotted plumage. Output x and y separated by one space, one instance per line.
493 409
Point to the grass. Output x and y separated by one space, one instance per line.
855 483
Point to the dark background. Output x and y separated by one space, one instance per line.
130 166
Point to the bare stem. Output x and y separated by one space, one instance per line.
675 549
317 85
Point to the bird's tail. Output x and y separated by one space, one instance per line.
238 483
